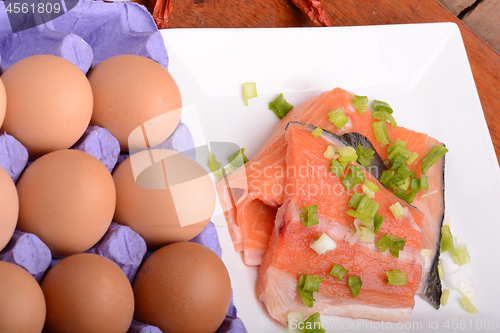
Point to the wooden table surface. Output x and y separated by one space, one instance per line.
484 61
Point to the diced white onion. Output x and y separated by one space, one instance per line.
323 244
294 319
452 280
466 290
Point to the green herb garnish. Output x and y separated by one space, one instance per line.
338 271
280 106
309 216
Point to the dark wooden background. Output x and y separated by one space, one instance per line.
484 61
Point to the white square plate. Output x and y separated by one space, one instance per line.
421 70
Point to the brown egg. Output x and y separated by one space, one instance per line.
66 198
22 305
163 211
133 92
87 293
182 287
49 103
3 102
9 208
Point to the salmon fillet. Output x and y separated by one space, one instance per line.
261 182
309 182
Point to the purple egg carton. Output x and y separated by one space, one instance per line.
89 33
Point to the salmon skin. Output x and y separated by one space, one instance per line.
251 217
309 182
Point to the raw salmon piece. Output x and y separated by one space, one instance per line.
289 255
263 179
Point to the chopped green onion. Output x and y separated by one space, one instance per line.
295 318
365 155
309 216
391 242
462 255
395 277
383 112
338 118
214 166
386 177
354 283
238 158
412 158
329 152
424 184
414 184
397 161
397 210
377 222
374 188
440 271
346 154
306 295
444 297
406 184
432 157
399 151
360 103
406 196
355 177
397 143
367 191
380 130
249 91
312 324
338 271
323 244
367 207
446 239
280 106
336 168
354 201
366 235
317 132
467 304
312 282
356 215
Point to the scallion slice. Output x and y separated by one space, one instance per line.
406 184
312 324
381 134
329 152
432 157
440 271
365 155
317 132
346 154
360 103
367 207
406 196
395 144
374 188
424 184
295 318
355 177
336 168
280 106
354 283
377 222
356 215
395 277
215 166
306 295
309 215
312 282
249 91
446 240
391 242
238 158
354 201
412 158
338 271
444 297
369 193
467 304
323 244
397 210
338 118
